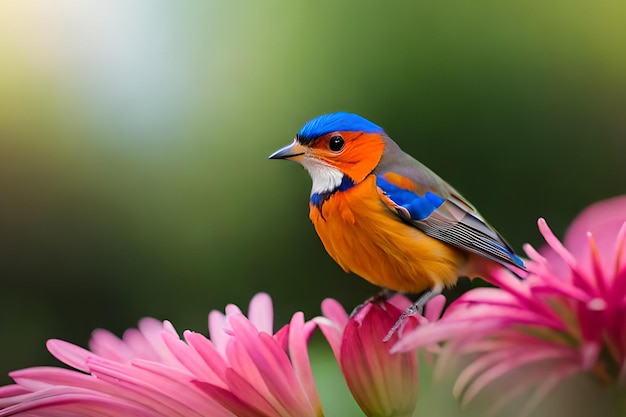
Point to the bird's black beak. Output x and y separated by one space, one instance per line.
294 151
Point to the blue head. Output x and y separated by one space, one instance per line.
335 122
338 149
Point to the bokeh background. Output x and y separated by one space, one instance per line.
134 137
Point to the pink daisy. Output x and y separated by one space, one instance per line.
568 317
383 384
244 369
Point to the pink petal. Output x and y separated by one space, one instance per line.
580 274
74 402
242 363
232 309
620 249
208 353
602 279
335 312
400 301
560 288
382 383
443 330
190 359
533 254
39 378
107 345
332 324
261 313
143 387
247 366
179 386
11 391
274 366
333 334
282 337
510 282
219 330
508 362
434 308
298 336
152 330
69 354
603 219
241 399
556 244
139 345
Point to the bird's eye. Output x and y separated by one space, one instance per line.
336 143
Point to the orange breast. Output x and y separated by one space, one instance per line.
363 236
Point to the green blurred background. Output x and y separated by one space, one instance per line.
134 137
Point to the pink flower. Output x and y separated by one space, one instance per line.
383 384
244 369
567 317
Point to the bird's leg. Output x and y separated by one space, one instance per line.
383 294
416 307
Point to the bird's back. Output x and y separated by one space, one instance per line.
455 220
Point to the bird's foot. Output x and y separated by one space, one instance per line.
383 295
408 312
414 308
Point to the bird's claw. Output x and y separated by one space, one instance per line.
396 327
416 307
383 295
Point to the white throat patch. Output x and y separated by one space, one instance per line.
325 177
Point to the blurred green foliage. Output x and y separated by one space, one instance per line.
134 136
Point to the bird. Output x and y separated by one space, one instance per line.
384 216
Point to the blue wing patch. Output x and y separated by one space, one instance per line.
419 207
518 260
449 220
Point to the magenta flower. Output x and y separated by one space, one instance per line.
244 369
383 384
568 316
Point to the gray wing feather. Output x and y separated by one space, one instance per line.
456 221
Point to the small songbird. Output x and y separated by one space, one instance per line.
384 216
